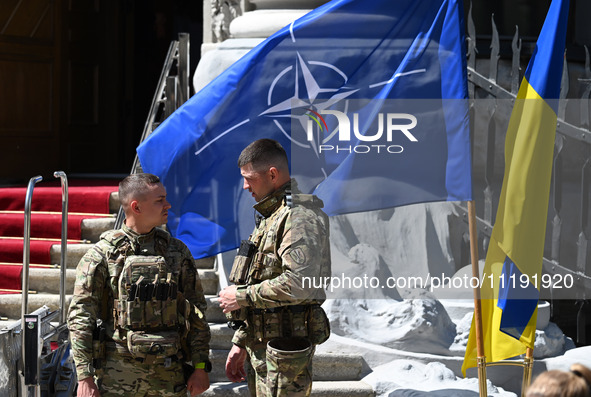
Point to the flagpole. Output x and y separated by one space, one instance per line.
481 359
528 366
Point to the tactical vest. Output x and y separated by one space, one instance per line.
145 295
257 261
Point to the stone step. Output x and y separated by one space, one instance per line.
209 281
214 313
319 389
205 263
75 252
10 304
327 366
48 281
114 203
221 336
91 229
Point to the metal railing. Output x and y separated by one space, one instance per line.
35 329
489 120
27 250
64 243
172 91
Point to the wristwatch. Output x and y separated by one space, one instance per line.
205 365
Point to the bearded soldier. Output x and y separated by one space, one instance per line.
136 317
278 320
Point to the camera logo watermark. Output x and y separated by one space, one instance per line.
389 124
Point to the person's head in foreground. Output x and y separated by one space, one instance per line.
556 383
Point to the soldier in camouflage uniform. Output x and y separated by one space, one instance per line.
175 317
278 316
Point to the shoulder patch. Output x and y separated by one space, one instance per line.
308 200
298 255
114 237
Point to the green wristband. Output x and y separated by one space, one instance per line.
200 366
206 366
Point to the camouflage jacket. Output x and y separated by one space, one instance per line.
95 288
293 248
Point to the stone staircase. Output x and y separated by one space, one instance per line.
334 374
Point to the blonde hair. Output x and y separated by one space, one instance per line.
556 383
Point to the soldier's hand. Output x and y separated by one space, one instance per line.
235 364
198 382
228 299
87 388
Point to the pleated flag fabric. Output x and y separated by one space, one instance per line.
511 279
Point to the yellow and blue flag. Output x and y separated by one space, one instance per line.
510 282
319 86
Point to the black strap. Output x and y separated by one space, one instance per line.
281 309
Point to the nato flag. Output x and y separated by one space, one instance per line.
368 97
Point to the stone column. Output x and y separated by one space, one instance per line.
233 27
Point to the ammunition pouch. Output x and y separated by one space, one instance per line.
288 362
160 348
318 325
147 294
242 261
151 310
301 321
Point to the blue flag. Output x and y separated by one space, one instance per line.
368 97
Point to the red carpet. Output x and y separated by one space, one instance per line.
12 251
85 201
10 277
42 225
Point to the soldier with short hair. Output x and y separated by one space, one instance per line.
137 313
278 321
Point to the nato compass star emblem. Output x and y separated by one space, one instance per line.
306 99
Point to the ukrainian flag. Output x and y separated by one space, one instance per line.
515 253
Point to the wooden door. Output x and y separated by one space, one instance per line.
92 97
29 87
60 87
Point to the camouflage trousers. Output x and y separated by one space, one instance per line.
281 367
123 376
